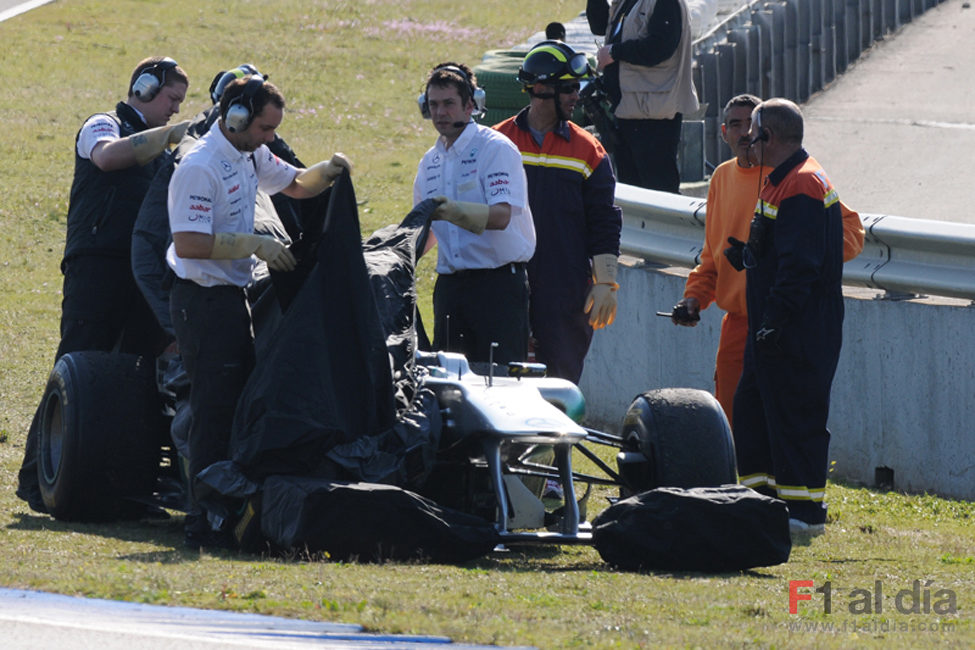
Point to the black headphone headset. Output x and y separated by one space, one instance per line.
148 83
762 133
240 111
477 94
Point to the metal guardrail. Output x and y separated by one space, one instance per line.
901 256
780 48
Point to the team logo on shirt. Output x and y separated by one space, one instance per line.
227 167
498 183
199 212
473 152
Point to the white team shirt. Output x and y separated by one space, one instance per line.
482 166
213 190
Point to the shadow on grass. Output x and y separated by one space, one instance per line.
167 533
554 559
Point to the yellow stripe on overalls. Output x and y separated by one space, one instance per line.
559 162
801 493
766 209
757 480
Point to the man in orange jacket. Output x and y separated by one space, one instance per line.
732 196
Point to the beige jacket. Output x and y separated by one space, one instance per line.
661 91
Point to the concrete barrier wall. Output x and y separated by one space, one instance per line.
903 398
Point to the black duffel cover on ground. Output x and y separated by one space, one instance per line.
368 522
716 529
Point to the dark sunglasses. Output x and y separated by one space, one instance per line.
569 87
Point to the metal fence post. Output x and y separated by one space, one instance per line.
817 37
801 10
766 31
779 68
709 94
791 12
853 19
837 18
748 43
692 164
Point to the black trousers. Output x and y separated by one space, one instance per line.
781 440
102 305
562 334
647 153
484 306
213 329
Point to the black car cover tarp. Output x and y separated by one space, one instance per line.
335 407
323 380
716 529
368 522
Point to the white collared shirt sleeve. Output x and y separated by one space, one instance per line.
503 177
273 174
98 128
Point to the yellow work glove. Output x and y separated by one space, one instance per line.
469 216
318 177
238 245
148 144
601 301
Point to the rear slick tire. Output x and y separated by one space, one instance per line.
99 436
684 436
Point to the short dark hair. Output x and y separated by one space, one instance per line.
444 76
173 75
745 100
268 93
555 31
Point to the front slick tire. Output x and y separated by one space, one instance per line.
99 436
685 438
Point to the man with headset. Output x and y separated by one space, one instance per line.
571 189
211 214
116 157
151 234
794 266
483 227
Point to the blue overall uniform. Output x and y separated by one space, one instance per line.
794 263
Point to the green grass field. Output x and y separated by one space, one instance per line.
351 71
